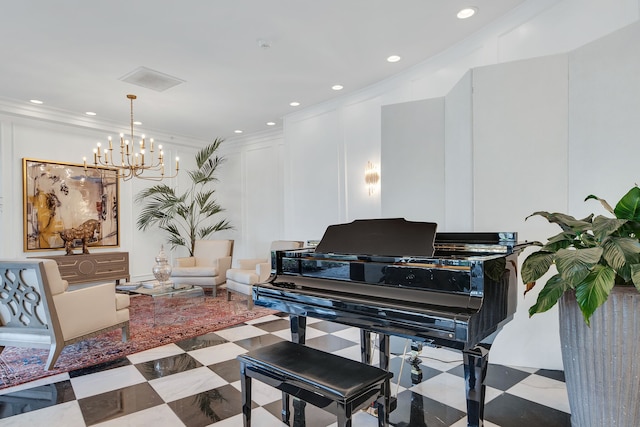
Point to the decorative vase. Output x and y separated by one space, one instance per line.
162 269
601 366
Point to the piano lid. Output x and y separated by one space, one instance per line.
382 237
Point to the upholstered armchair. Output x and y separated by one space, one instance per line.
37 310
207 267
240 280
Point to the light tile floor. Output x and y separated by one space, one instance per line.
195 383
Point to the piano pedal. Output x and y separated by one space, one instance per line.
372 410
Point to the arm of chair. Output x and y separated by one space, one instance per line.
264 271
224 264
250 264
86 310
186 262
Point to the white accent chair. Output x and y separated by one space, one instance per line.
249 272
37 310
207 267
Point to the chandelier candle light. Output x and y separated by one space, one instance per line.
132 164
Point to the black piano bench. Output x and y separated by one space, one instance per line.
325 380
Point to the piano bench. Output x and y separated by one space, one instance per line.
325 380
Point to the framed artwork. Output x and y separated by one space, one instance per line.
61 199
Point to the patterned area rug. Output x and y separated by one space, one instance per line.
152 324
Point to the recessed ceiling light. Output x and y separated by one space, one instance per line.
337 87
467 12
294 103
137 123
393 58
237 131
90 113
36 101
271 123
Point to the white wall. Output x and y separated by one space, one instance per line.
519 167
604 105
413 142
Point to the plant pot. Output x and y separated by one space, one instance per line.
602 362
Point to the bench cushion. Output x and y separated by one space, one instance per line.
334 374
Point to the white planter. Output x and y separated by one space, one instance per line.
602 362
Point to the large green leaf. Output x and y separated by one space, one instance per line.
635 275
575 264
566 222
549 295
629 206
535 266
561 240
604 203
594 290
604 227
619 253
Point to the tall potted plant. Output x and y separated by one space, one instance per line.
597 283
186 217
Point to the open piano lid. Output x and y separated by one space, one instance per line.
381 237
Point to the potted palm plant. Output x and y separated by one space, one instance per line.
597 284
186 217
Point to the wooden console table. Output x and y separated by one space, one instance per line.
98 267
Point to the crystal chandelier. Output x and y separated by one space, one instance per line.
133 163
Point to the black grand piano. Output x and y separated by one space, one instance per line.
398 277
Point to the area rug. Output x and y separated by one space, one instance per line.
151 325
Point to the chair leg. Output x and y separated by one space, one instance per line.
250 302
125 333
54 352
228 295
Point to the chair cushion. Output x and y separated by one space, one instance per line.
56 284
122 301
207 251
194 271
248 277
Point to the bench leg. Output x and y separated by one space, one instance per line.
285 408
245 389
344 415
383 409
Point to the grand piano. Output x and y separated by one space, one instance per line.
402 278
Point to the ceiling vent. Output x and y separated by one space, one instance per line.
151 79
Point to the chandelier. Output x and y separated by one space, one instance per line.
132 163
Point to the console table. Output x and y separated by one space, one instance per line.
97 267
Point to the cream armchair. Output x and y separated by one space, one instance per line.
37 310
240 280
207 267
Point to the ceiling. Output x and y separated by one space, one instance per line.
239 62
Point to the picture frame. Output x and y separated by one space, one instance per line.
60 199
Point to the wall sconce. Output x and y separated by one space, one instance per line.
371 177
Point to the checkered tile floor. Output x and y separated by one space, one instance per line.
196 383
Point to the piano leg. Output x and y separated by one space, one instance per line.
298 325
385 358
475 371
366 355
